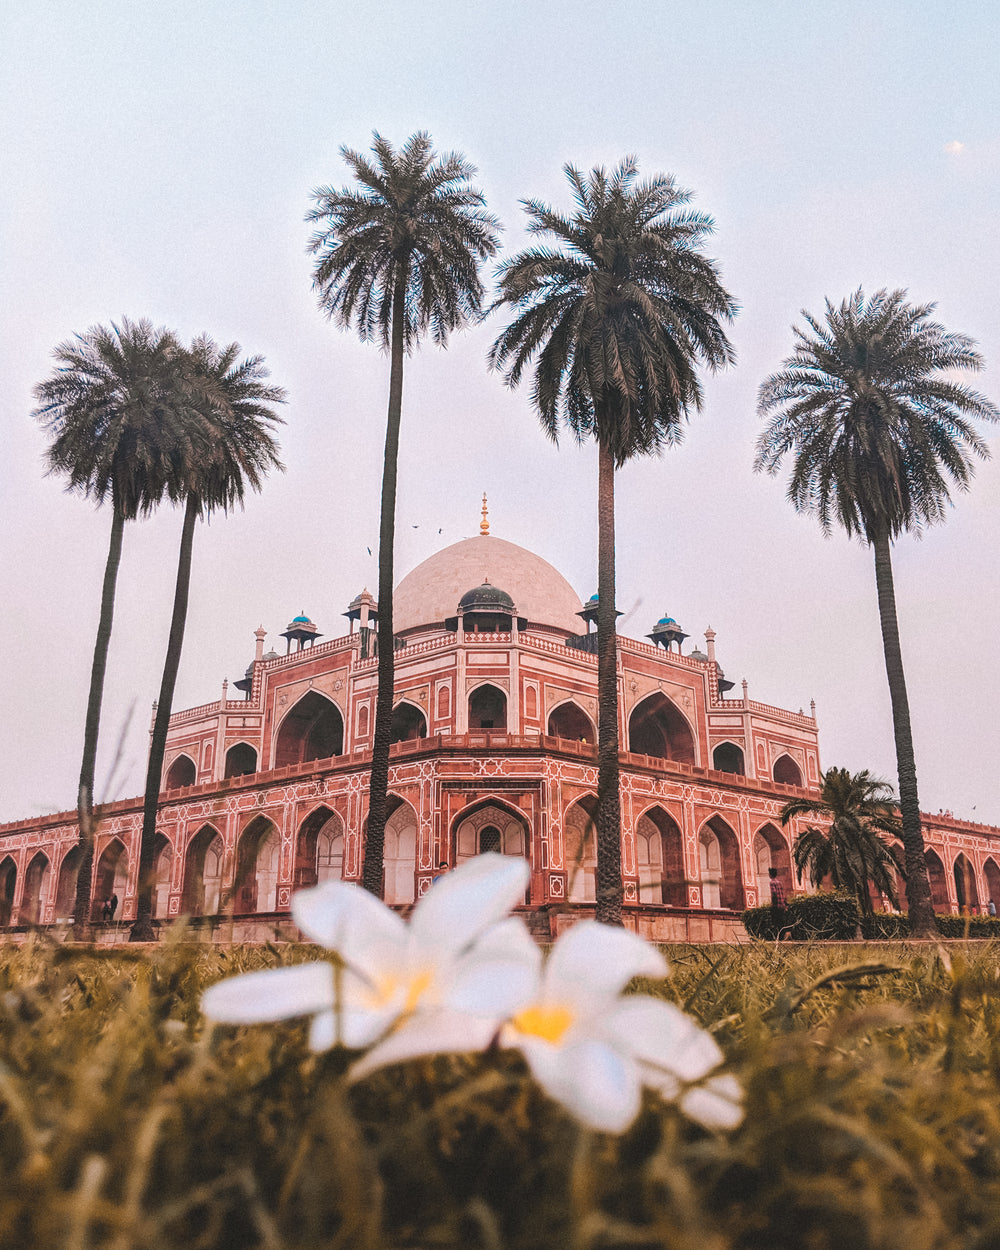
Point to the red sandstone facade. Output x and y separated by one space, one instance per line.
495 721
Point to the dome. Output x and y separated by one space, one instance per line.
486 598
301 620
270 655
698 655
428 594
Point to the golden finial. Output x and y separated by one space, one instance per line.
484 525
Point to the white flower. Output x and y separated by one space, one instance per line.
592 1049
448 978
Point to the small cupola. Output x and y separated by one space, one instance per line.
666 632
485 609
301 630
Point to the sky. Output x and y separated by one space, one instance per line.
158 161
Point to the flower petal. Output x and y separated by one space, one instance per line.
660 1034
718 1103
341 916
323 1031
491 987
277 994
593 962
593 1081
468 900
427 1033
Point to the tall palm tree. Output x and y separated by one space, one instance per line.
115 411
229 409
860 808
617 315
395 257
878 433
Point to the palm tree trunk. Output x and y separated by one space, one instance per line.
609 819
918 888
85 794
378 786
142 930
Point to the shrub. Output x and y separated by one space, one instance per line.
971 926
885 925
825 916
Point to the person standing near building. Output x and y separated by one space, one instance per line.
779 900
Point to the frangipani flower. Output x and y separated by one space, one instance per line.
452 974
592 1049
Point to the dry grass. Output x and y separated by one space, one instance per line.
873 1117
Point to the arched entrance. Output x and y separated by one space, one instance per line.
487 708
965 883
8 880
312 730
241 760
163 857
728 758
659 854
786 772
770 850
400 852
181 772
658 728
36 880
66 887
569 720
258 854
408 723
939 884
319 849
992 874
203 872
580 839
719 854
110 878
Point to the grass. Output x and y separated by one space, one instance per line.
126 1123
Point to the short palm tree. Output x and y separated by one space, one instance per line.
398 256
860 809
878 432
229 412
616 316
115 410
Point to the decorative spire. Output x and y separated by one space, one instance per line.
484 524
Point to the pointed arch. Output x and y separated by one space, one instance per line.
408 722
728 758
490 825
992 874
241 760
487 707
182 772
110 879
36 880
203 863
659 853
8 880
770 850
939 884
966 890
719 855
66 885
658 728
319 848
786 772
163 859
400 879
579 836
312 729
569 720
258 855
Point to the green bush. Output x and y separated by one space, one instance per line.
968 926
883 925
824 916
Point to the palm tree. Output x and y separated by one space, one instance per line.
617 316
115 412
229 414
397 256
860 808
878 432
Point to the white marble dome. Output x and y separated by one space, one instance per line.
430 593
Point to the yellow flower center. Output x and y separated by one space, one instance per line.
416 989
546 1022
412 989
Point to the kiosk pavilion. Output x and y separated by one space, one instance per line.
494 739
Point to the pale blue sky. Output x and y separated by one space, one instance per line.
157 161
